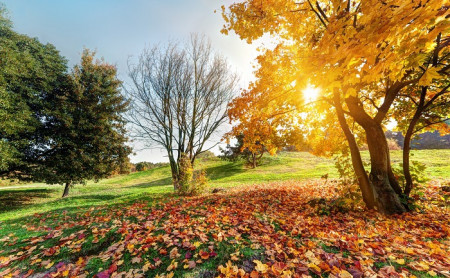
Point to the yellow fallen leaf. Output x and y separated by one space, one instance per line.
345 274
432 273
400 261
197 244
260 267
80 261
315 267
49 265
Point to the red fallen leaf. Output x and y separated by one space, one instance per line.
355 272
112 268
157 261
212 254
388 270
163 251
302 269
324 266
50 235
50 251
278 267
103 274
188 255
254 274
204 255
81 236
191 264
29 272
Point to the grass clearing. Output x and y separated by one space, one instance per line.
22 200
132 224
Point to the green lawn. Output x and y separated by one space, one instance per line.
74 234
29 199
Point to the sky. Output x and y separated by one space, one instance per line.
120 29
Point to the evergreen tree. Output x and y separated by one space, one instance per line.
29 71
86 126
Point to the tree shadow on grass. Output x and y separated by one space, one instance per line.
224 171
19 198
74 210
213 173
97 197
159 182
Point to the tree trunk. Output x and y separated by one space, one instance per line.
66 190
386 199
254 160
382 179
406 150
174 168
392 179
358 167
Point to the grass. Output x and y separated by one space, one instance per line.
37 198
31 212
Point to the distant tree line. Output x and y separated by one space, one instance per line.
427 140
144 165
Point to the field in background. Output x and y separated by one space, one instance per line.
24 200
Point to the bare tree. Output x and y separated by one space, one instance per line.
179 97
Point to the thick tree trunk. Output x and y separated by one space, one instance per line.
358 166
392 179
384 184
386 199
66 190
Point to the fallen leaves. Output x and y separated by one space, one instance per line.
260 231
260 267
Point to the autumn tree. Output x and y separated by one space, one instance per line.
424 105
252 156
179 98
361 54
259 129
85 126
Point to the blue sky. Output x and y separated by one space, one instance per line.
118 29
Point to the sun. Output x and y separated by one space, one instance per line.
310 93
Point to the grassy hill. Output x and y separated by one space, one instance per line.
24 200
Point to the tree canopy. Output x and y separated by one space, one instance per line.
179 98
57 127
86 126
30 72
362 54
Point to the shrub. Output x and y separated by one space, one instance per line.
199 183
188 183
417 170
207 155
343 164
393 145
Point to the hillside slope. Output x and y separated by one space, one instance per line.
28 199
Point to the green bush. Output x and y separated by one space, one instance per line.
417 170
